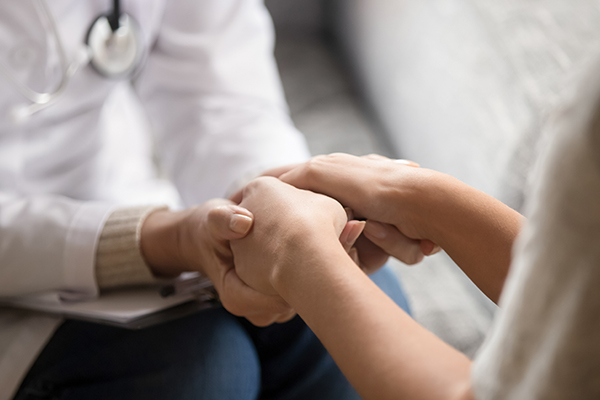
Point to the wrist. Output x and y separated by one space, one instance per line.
304 256
407 199
160 242
433 204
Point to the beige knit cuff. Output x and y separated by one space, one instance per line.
119 261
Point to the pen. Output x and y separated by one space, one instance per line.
200 287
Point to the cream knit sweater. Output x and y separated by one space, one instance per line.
119 261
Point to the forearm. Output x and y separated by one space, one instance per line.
140 244
475 229
160 238
383 352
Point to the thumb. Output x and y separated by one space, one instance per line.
350 233
229 222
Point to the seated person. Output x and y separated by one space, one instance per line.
544 344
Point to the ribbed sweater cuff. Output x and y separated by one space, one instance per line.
119 260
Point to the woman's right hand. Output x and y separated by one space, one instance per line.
373 187
416 207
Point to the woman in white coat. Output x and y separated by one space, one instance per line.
79 198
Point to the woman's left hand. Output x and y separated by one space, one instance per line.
290 227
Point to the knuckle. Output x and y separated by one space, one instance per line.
261 184
216 212
250 187
313 166
255 184
265 180
316 161
335 156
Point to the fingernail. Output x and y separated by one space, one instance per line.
355 232
240 223
406 162
375 229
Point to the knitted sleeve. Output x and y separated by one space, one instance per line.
119 261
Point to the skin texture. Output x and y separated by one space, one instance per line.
295 254
293 250
365 252
197 239
303 212
405 206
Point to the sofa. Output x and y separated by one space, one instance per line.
461 86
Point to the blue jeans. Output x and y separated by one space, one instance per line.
208 355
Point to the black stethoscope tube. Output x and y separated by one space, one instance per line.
113 18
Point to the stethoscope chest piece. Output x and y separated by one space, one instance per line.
115 54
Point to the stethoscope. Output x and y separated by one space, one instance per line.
113 47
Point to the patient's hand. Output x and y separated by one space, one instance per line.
369 185
288 223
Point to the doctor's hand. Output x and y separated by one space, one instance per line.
290 224
197 239
371 187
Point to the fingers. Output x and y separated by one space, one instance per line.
238 196
243 301
278 171
429 248
350 233
285 317
370 256
266 320
392 241
229 222
354 181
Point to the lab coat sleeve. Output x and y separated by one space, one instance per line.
48 244
213 95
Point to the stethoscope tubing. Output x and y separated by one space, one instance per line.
67 69
87 55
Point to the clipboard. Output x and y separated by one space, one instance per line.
131 308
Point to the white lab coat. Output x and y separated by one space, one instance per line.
214 103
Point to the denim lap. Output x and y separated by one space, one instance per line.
210 355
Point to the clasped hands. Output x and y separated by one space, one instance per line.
244 244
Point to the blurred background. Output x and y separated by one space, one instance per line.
461 86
